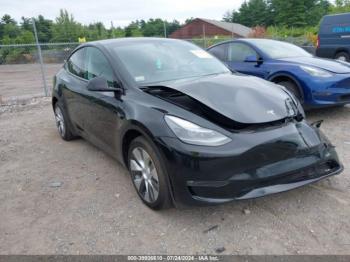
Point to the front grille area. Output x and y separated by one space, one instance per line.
311 172
344 84
345 98
241 187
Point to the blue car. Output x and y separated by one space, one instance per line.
315 81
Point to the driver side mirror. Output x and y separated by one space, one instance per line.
100 84
254 59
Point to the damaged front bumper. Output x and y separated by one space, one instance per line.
254 164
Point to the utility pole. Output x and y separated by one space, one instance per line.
112 29
40 58
164 24
232 29
204 39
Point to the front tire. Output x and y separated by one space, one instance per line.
342 56
148 175
293 88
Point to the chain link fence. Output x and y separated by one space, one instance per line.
23 73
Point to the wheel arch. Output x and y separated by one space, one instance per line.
134 130
54 100
341 49
280 77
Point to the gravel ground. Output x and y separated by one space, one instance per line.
61 197
25 79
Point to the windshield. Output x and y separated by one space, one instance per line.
158 61
277 49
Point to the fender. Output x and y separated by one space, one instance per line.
132 125
284 74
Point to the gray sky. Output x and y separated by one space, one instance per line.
121 12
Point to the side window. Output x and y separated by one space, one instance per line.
97 65
219 51
238 52
76 63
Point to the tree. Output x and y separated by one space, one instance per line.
7 19
26 23
189 20
44 28
340 6
251 13
133 29
172 26
66 29
8 27
96 31
296 13
117 32
288 13
153 27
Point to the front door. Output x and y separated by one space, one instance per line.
238 56
103 110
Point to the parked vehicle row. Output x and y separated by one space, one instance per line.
316 82
189 130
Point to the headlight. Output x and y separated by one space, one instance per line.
316 71
191 133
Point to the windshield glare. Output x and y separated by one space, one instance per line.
277 49
159 61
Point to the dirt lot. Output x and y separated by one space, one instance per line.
25 79
61 197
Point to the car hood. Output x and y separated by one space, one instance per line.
244 99
327 64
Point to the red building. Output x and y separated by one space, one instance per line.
200 27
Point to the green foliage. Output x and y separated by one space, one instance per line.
283 31
251 13
66 29
133 29
96 31
296 35
44 28
340 6
152 27
296 13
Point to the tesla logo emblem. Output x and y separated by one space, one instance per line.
271 112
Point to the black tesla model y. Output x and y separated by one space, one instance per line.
189 130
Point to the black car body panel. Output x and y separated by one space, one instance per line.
268 152
229 95
285 157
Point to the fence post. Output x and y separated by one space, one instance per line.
40 58
164 25
204 37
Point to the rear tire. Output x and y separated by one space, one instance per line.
292 87
63 125
148 175
342 56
